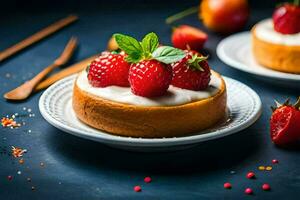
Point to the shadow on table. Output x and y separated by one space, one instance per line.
211 155
286 88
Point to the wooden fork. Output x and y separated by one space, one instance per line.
24 90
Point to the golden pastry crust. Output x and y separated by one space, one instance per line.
275 56
149 122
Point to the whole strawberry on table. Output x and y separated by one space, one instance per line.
285 123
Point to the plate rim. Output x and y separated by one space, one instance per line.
245 68
151 142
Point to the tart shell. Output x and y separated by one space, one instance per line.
275 56
149 122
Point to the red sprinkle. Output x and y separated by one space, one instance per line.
137 188
248 191
274 161
250 175
227 185
9 177
147 179
266 187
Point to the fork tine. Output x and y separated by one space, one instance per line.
67 52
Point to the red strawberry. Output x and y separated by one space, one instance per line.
150 74
188 37
192 72
150 78
109 69
285 123
286 18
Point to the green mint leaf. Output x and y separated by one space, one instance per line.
128 44
87 69
134 57
149 43
168 55
297 104
116 51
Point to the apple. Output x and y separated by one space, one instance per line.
224 16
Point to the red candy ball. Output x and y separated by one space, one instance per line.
227 185
248 191
250 175
137 188
274 161
147 179
266 187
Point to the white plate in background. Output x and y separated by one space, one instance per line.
236 52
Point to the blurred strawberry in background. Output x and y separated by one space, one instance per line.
286 18
188 37
224 16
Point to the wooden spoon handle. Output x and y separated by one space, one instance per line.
42 74
73 69
37 36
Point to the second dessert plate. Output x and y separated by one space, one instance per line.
235 51
244 108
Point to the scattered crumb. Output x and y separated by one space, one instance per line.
269 168
17 152
9 122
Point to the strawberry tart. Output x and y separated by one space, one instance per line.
148 90
276 42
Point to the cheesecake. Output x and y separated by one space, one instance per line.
147 90
280 52
116 110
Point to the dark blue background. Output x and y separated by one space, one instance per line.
80 169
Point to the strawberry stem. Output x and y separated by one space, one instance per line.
297 104
195 60
277 104
182 14
297 2
174 28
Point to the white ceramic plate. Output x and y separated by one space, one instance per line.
235 51
55 105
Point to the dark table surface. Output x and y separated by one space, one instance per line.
75 168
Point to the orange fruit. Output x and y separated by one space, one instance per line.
224 16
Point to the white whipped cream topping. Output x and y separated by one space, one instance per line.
175 95
264 30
